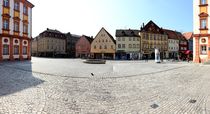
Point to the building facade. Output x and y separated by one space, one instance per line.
189 37
34 47
15 29
183 46
83 47
103 46
201 40
128 44
153 37
71 44
50 43
173 44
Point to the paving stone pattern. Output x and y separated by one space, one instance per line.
66 86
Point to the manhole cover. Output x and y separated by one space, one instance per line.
192 101
154 106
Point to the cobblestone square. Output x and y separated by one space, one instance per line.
66 86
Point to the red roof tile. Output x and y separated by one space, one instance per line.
188 35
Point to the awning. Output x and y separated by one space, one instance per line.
187 52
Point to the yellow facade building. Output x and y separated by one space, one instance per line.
153 37
201 40
49 43
103 46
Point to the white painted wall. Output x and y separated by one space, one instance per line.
16 56
6 42
208 16
1 24
26 43
196 21
21 17
25 56
174 44
30 22
127 42
16 43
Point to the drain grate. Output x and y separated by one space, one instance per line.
192 101
154 106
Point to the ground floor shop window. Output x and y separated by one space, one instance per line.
5 49
24 50
203 50
16 50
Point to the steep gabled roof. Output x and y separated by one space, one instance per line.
171 34
188 35
52 31
127 33
181 37
152 28
107 34
90 39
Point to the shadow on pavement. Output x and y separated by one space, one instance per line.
13 79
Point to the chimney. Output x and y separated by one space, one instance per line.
143 25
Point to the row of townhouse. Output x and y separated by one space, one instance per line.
129 44
53 43
15 29
137 44
133 44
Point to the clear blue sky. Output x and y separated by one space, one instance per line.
88 16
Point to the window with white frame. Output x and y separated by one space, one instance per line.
203 50
16 6
123 39
134 45
203 24
123 45
130 45
138 46
6 24
24 50
16 50
119 45
25 10
203 2
16 26
5 49
6 3
25 28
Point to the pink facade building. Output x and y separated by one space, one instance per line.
83 47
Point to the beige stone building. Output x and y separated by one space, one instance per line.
128 44
103 46
34 48
50 43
